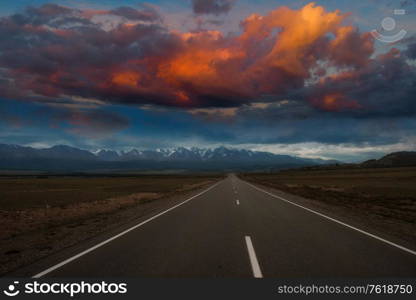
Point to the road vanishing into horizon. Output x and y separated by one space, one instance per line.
237 230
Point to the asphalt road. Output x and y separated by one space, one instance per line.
236 230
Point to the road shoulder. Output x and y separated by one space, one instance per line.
91 232
360 220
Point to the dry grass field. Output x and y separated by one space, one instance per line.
22 193
41 215
384 197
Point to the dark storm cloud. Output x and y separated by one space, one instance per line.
215 7
147 14
374 105
411 51
56 15
385 87
75 59
49 14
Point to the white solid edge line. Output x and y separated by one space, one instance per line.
253 258
337 221
57 266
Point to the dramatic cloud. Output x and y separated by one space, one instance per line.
129 56
215 7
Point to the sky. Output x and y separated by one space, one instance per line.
286 76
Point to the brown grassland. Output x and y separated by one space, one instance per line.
383 199
39 216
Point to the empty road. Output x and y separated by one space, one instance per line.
234 229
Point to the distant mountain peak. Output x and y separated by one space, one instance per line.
398 159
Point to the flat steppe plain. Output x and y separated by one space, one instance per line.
381 200
40 215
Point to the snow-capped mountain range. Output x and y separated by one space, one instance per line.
14 156
198 154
